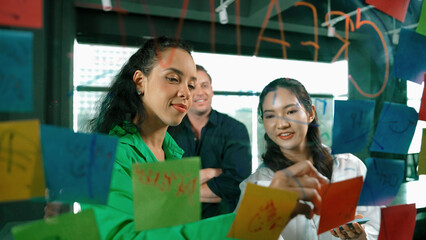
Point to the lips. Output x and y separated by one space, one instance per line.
180 107
285 136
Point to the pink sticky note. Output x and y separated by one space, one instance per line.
394 8
398 222
339 201
422 111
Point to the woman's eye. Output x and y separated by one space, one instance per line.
292 111
172 79
269 116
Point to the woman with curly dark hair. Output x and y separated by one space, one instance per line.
151 92
292 135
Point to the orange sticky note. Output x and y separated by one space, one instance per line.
422 111
393 8
422 154
19 13
21 168
398 222
263 213
339 201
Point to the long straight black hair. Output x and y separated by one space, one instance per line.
122 103
273 157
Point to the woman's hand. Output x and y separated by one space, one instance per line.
355 232
306 181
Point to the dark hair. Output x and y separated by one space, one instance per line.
122 103
201 68
273 157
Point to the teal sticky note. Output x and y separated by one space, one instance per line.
67 226
352 123
395 129
16 71
78 166
384 177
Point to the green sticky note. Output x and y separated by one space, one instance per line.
64 227
421 27
166 193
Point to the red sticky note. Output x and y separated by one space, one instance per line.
422 111
21 13
398 222
339 201
394 8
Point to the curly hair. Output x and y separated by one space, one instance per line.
122 103
273 157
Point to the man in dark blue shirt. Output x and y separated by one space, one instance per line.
222 143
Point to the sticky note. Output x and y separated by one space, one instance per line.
339 201
164 189
422 155
395 129
78 166
397 222
66 226
16 71
384 177
421 27
21 166
352 123
410 59
19 13
393 8
422 110
263 213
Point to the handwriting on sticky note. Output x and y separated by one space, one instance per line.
164 180
78 166
384 177
164 189
395 129
21 168
352 123
263 213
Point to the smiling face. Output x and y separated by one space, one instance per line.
166 92
286 121
202 95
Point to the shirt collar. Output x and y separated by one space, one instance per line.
129 134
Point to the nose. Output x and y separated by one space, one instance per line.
184 92
282 122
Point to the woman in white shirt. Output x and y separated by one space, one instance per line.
292 135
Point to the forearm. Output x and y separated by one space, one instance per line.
207 196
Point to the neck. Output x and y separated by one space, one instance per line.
198 121
297 155
153 136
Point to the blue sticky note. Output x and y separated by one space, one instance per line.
384 177
77 166
410 60
395 129
352 123
16 71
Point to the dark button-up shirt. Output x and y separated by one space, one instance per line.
224 144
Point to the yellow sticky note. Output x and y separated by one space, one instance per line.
422 155
263 213
21 167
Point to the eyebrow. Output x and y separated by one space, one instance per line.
286 106
193 78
